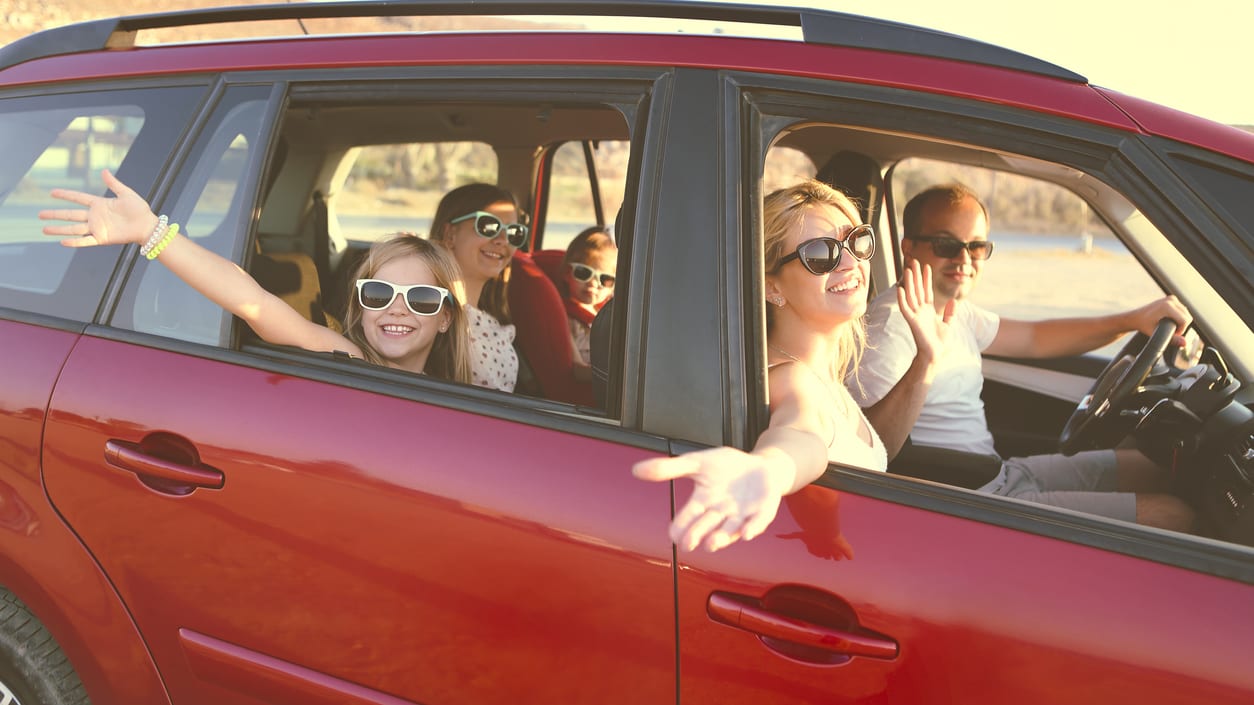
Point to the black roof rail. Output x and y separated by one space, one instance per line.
817 26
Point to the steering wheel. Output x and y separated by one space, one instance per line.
1091 421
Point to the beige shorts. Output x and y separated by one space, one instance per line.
1084 482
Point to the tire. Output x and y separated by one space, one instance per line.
33 669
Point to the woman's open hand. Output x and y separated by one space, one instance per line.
736 496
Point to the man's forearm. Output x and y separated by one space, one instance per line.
893 416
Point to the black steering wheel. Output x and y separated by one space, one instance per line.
1092 419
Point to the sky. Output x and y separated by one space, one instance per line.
1193 56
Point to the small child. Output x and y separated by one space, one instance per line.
589 266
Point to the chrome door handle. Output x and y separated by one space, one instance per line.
145 465
733 611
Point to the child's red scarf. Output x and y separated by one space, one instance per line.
579 313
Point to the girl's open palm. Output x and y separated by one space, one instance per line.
117 220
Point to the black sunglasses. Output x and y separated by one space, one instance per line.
948 247
490 226
422 299
582 273
822 254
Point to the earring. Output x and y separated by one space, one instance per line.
778 301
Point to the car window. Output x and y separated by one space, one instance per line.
344 175
64 142
1069 241
1054 257
209 201
575 191
395 187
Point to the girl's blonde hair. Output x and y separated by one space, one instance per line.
494 298
450 353
784 210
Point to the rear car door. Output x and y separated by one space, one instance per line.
287 527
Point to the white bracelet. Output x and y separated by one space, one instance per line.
158 232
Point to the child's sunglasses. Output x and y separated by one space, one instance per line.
582 273
490 226
422 299
822 254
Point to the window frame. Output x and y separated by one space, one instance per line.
773 103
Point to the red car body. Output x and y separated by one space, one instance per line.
200 525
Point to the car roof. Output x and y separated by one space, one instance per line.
817 26
833 45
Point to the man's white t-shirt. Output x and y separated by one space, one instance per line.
953 413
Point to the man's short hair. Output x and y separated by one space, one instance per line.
951 194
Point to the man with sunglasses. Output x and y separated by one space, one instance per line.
937 402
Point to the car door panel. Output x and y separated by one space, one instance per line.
33 537
349 526
979 613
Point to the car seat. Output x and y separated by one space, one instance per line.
536 292
293 277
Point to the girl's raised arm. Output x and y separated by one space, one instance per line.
127 218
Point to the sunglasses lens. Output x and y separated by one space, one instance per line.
981 249
607 281
376 295
820 256
424 300
488 226
581 272
516 234
861 242
947 248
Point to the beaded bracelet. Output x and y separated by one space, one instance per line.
158 232
165 241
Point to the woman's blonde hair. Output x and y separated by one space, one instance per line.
784 210
450 353
494 298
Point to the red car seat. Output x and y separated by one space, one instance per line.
536 292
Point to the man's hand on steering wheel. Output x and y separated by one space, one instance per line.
1093 419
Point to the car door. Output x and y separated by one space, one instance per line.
873 588
292 528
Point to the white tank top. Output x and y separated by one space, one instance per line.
846 446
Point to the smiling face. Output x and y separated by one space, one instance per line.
480 258
400 336
823 302
964 220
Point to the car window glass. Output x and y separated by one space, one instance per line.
785 166
209 204
64 142
396 187
571 208
1054 258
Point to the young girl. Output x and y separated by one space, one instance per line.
403 313
480 224
589 265
817 274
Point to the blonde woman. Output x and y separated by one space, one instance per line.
817 277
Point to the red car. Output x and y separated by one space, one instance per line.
192 515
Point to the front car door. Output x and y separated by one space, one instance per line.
877 588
